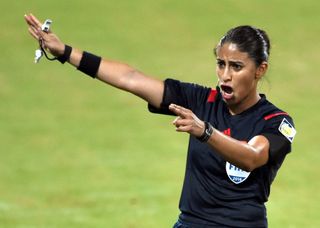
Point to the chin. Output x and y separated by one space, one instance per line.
230 102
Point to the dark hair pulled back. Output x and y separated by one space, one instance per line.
248 39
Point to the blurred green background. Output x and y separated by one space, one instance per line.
77 153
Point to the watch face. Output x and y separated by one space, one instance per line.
207 133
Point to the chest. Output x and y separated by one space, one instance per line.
241 127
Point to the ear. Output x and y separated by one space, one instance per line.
261 70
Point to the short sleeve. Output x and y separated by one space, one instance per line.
187 95
280 133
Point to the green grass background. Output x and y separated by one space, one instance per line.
77 153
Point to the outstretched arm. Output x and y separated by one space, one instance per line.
114 73
246 156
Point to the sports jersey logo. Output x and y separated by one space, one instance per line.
287 130
235 174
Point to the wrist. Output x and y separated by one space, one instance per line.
60 50
62 58
208 131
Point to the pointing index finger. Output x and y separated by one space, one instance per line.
178 110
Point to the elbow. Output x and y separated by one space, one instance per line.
247 156
248 167
252 163
128 81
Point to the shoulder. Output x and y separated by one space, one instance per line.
190 91
176 84
272 113
277 121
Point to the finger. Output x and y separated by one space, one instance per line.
33 27
183 129
179 110
41 34
26 18
35 21
33 33
182 122
30 21
175 120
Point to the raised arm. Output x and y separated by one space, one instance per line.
119 75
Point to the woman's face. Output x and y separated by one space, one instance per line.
238 77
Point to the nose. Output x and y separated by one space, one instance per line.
225 74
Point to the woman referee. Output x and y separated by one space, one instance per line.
238 139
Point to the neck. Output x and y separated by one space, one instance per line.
243 105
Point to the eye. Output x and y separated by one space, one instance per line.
220 63
236 66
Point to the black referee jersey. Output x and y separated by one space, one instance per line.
216 193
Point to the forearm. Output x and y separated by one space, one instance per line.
111 72
75 57
245 155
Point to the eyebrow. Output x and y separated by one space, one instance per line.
231 61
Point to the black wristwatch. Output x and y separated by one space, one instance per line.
208 130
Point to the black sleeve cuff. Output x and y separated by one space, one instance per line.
279 147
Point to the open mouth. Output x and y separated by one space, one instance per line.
227 92
226 89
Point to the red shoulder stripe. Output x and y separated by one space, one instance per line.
268 117
212 96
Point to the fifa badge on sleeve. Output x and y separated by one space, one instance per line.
287 130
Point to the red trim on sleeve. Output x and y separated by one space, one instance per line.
268 117
212 96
